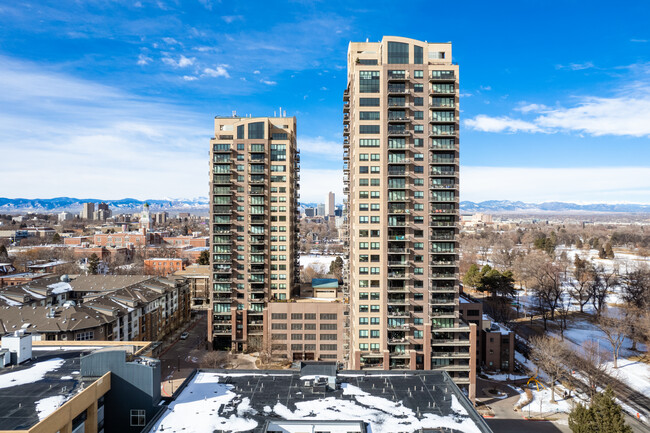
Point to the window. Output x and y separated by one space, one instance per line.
363 157
369 102
256 130
374 157
374 169
363 333
328 347
418 55
363 220
418 74
418 115
418 87
367 61
363 320
374 333
418 101
374 296
418 128
240 132
83 336
374 182
374 220
328 327
279 136
369 142
363 169
363 182
138 417
398 53
374 320
419 157
418 334
368 81
310 316
369 129
369 115
363 346
328 316
418 142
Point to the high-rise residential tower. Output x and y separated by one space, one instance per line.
88 211
254 244
330 205
401 181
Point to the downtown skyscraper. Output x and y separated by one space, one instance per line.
401 153
253 226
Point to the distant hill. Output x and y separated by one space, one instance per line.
201 205
125 205
506 206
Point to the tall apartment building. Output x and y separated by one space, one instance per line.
88 211
401 181
329 204
254 225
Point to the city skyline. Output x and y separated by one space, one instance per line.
107 99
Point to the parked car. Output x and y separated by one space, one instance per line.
184 335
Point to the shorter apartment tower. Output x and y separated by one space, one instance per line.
254 222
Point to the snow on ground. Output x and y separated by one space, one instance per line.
319 262
634 373
542 404
29 375
505 376
46 406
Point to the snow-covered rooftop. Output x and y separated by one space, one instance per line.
252 400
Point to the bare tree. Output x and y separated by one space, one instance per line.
215 359
583 276
550 355
547 286
615 331
589 360
636 294
604 280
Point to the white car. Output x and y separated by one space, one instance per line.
184 335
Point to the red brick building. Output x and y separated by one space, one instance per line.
164 266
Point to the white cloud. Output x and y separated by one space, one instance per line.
576 66
532 107
572 184
500 124
316 183
268 82
182 62
143 59
190 78
625 115
206 4
219 71
256 72
230 18
94 140
171 41
639 40
323 88
137 4
322 148
486 87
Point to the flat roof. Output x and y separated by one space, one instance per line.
32 391
387 401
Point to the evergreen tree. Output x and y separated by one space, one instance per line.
4 254
472 276
336 267
609 252
602 254
93 263
579 244
581 420
607 415
56 238
204 258
603 416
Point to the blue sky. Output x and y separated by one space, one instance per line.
113 99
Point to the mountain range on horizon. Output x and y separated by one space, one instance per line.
201 205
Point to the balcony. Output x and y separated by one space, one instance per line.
398 132
445 236
402 161
442 263
402 289
398 327
399 119
443 288
444 76
398 276
397 301
395 77
439 160
439 132
443 276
